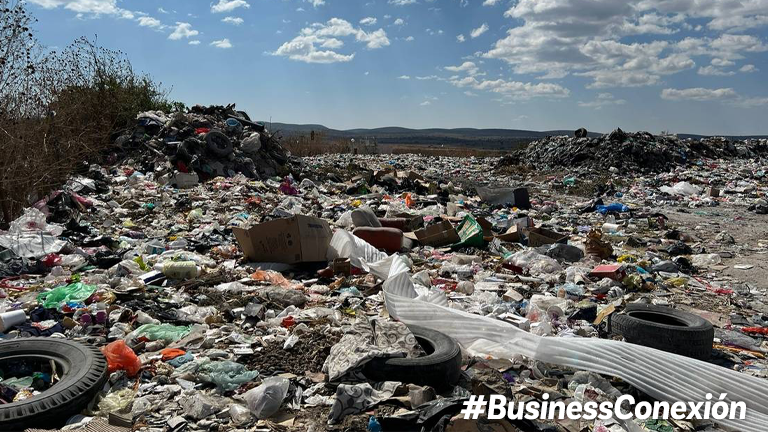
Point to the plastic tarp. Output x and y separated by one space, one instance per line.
30 236
663 376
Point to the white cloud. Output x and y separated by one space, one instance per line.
698 94
556 38
368 21
425 103
513 90
470 94
162 11
404 77
47 4
232 20
725 95
467 67
410 39
332 43
223 44
460 38
714 71
425 78
748 68
97 7
602 100
147 21
401 2
316 3
479 31
328 37
228 5
398 22
194 42
183 30
491 2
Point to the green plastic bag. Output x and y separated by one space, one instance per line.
57 297
227 375
470 233
165 332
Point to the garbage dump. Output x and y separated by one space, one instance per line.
183 148
204 279
630 152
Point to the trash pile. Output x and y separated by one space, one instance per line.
630 152
203 143
378 292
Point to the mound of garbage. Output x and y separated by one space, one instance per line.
630 151
203 143
376 292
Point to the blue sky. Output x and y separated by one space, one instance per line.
695 66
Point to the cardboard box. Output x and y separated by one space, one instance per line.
616 272
516 197
290 240
441 234
542 236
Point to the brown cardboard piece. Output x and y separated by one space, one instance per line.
542 236
291 240
437 235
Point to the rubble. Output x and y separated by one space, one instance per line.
218 308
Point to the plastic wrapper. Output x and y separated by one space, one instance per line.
165 332
661 375
227 375
72 293
121 357
265 400
116 402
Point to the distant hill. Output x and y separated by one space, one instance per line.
485 138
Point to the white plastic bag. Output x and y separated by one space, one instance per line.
265 400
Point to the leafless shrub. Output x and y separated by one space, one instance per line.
59 110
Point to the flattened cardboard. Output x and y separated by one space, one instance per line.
542 236
290 240
437 235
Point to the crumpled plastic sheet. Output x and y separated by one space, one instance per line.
30 236
356 398
59 296
226 374
661 375
368 340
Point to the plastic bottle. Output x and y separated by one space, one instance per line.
178 244
179 269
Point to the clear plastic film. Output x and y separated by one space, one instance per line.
663 376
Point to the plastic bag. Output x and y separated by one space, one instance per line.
265 400
615 207
116 402
76 292
272 277
227 375
165 332
121 357
681 188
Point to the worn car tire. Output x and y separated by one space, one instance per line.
440 368
218 144
665 329
84 374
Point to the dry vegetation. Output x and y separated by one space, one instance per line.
304 145
58 110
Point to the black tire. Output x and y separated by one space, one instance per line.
218 144
440 368
665 329
84 374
